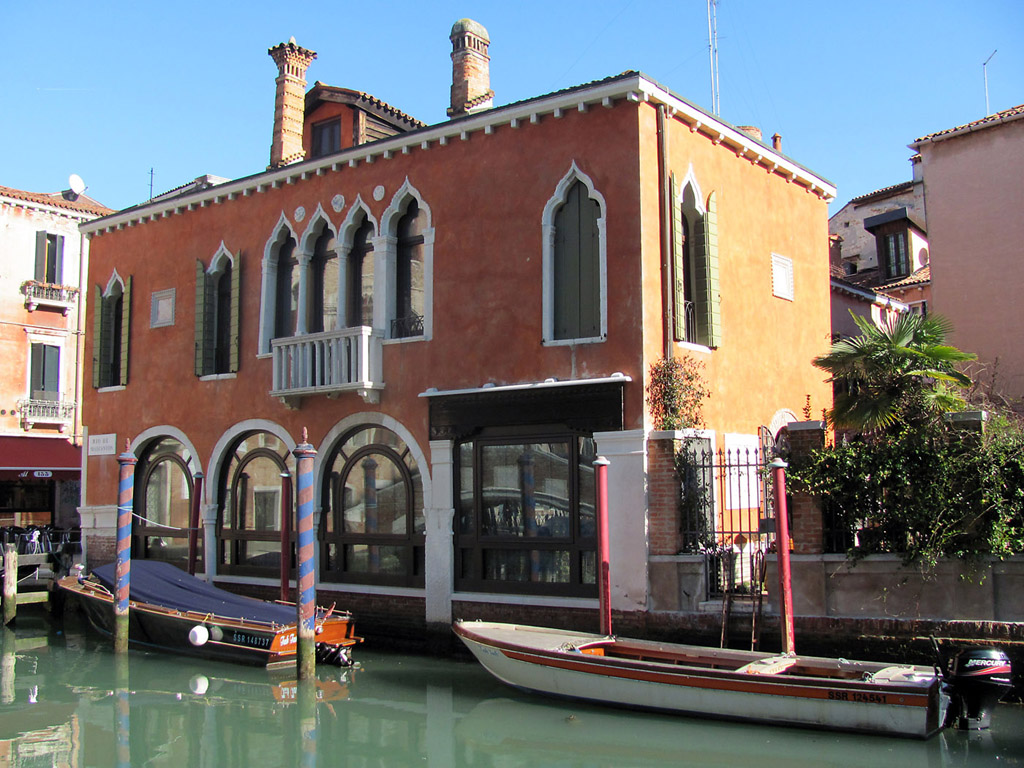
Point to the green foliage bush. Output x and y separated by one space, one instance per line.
925 491
676 393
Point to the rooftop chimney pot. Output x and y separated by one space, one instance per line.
471 69
777 142
290 102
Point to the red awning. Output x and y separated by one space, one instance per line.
39 458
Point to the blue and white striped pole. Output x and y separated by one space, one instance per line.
125 505
304 454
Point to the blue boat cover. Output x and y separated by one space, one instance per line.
159 583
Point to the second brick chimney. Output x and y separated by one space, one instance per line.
471 69
290 102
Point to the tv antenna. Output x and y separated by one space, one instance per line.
984 72
716 104
151 184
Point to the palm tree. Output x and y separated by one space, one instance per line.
896 372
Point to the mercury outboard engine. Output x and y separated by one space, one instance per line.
979 678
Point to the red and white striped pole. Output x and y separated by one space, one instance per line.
782 549
604 578
304 454
122 569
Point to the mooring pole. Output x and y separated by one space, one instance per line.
193 523
286 536
782 548
304 454
10 583
125 496
604 577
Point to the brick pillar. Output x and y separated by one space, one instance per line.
663 493
805 514
289 102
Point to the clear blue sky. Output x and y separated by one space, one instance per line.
109 90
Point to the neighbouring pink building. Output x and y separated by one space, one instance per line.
974 197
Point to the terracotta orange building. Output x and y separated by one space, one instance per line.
462 316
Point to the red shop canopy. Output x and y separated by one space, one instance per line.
39 458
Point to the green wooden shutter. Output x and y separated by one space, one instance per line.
590 268
566 267
40 271
200 315
236 312
678 276
96 307
126 314
710 291
576 268
45 372
58 260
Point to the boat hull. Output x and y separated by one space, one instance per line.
897 701
209 636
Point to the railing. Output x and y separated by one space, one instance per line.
46 412
689 323
47 294
406 327
328 363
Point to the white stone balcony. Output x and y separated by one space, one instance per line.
59 412
328 363
37 294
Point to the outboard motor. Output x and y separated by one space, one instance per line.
979 678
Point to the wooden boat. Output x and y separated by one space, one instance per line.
859 696
170 610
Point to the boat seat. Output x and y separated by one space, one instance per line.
897 674
772 665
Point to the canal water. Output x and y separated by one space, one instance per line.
66 700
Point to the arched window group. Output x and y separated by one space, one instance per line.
356 275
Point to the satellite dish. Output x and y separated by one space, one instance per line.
75 184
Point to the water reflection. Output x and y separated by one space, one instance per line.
65 700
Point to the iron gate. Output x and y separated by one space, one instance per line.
727 512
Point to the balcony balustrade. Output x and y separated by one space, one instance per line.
59 412
39 294
328 363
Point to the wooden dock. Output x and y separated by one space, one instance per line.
33 585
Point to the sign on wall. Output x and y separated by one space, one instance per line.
103 445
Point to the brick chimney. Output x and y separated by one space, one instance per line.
751 130
289 103
471 69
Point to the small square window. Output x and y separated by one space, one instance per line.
161 312
782 277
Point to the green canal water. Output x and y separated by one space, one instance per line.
66 700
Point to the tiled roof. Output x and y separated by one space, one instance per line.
884 192
921 276
872 279
80 204
985 122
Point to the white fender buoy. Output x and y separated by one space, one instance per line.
216 633
199 684
199 635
